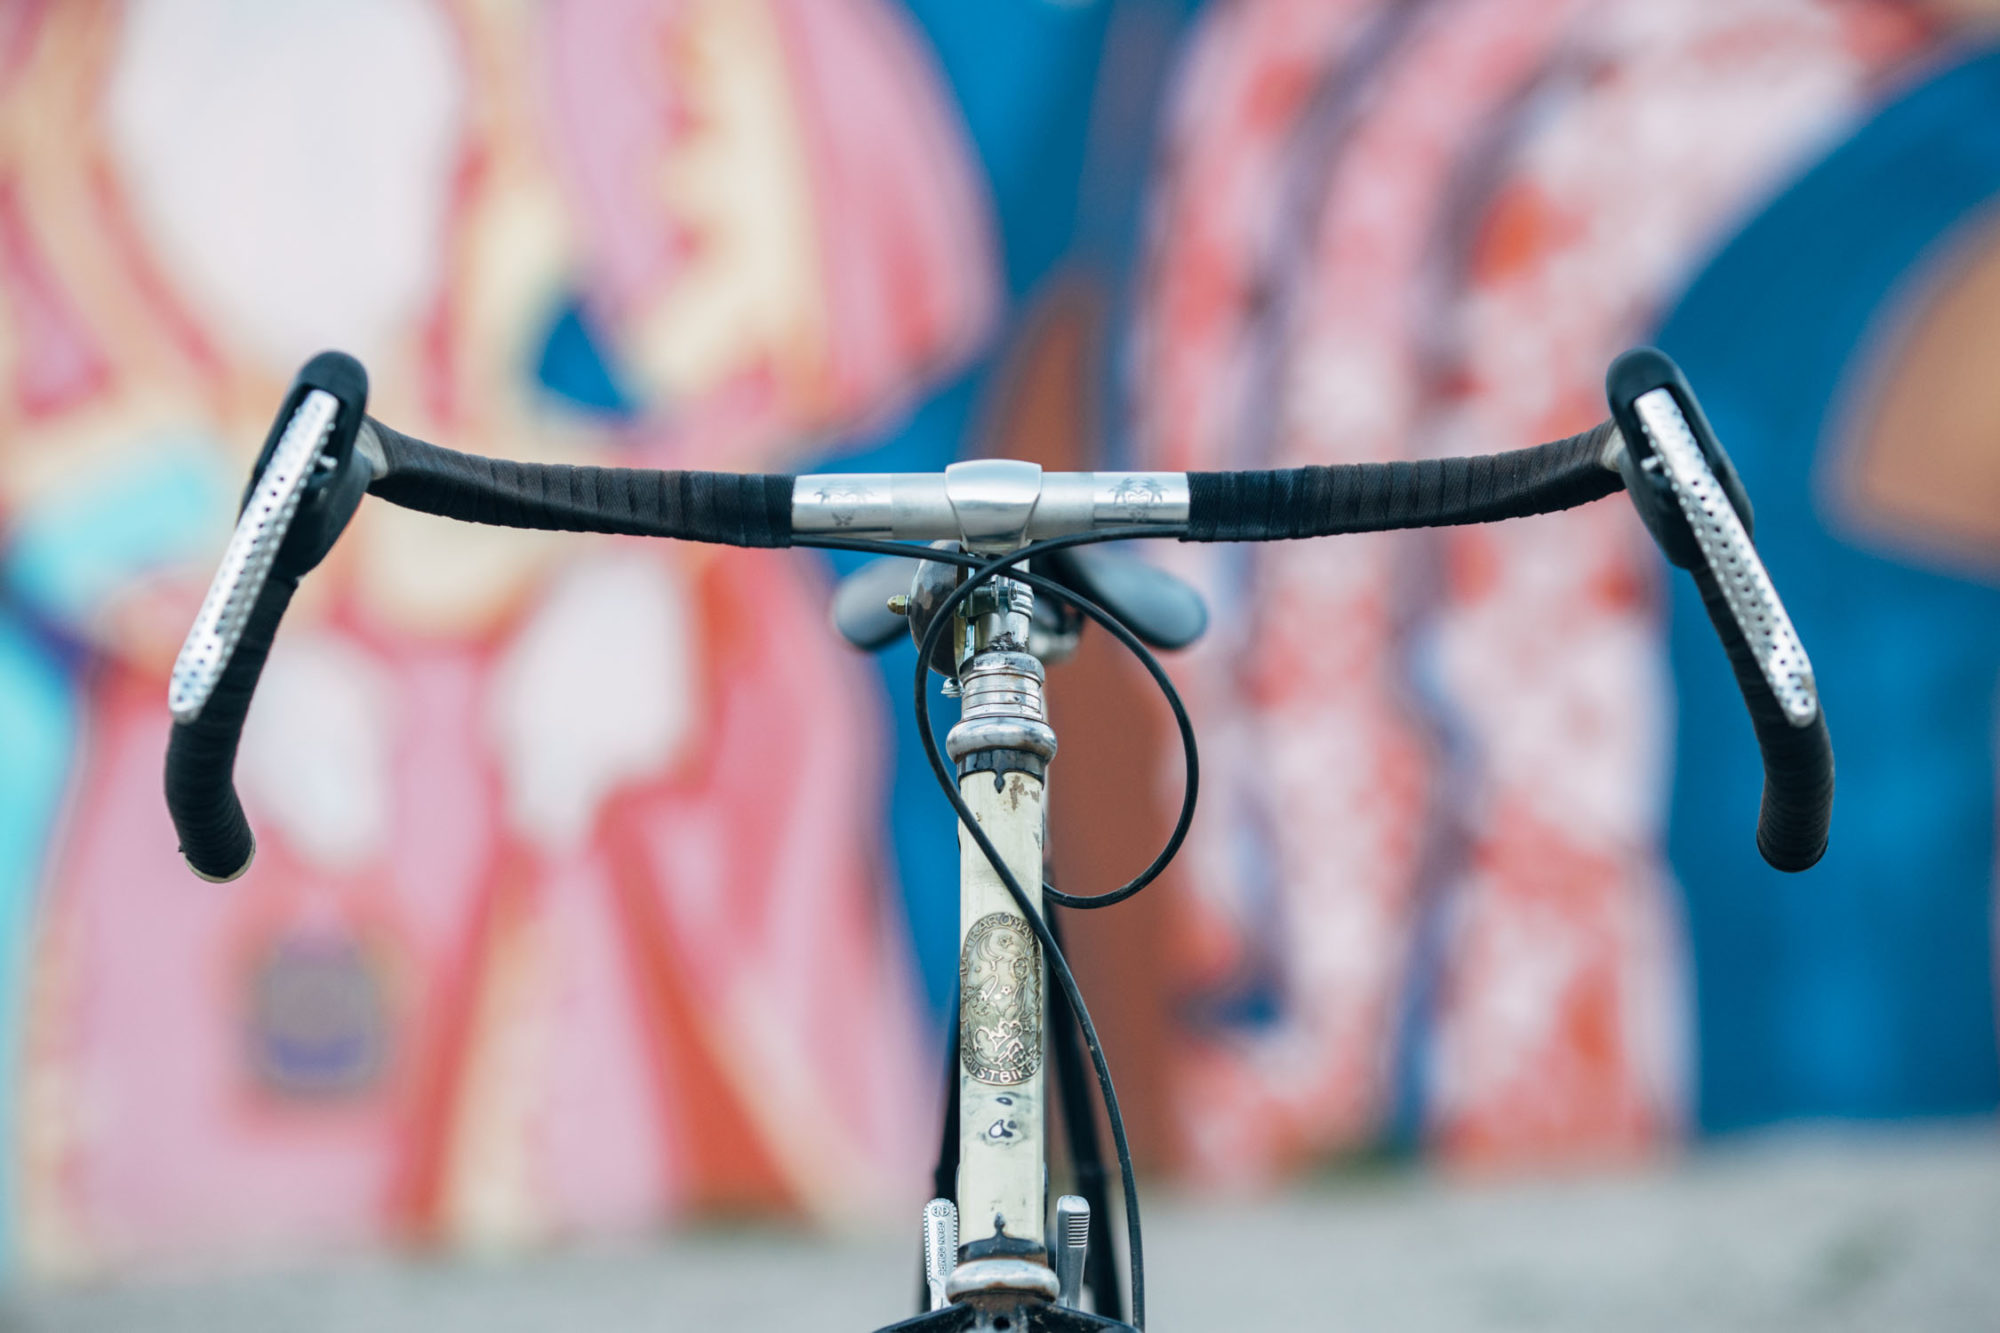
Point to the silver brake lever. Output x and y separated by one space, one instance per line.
1732 559
246 561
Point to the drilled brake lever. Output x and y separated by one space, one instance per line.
1724 544
246 562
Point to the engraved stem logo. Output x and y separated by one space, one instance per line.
1000 1000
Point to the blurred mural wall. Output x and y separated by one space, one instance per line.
599 885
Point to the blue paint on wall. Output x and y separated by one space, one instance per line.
573 365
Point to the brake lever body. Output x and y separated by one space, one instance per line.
1688 494
308 480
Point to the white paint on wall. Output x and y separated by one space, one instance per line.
291 164
596 691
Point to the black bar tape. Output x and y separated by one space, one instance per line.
1371 497
734 509
201 755
1798 761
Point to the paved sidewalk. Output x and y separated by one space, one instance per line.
1817 1232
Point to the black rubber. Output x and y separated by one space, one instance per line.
1371 497
1631 376
735 509
1162 610
1797 809
201 755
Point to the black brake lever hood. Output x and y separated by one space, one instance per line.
340 479
1632 376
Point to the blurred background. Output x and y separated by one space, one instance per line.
602 890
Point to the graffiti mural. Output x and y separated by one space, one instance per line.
1436 907
600 886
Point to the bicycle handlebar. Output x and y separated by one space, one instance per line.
303 493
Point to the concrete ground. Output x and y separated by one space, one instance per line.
1818 1231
